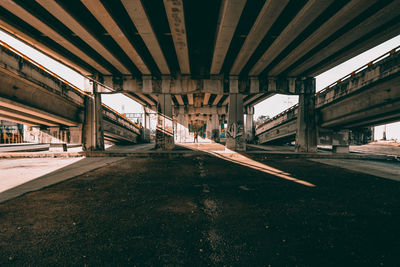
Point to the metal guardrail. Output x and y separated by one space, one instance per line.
325 90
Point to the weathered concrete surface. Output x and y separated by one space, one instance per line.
19 176
367 98
28 85
210 212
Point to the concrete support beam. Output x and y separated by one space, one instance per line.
179 99
217 99
249 124
10 29
138 15
302 20
165 131
266 18
190 99
206 98
18 11
62 15
226 101
176 20
340 19
306 136
228 19
236 139
373 22
45 116
98 10
148 100
93 135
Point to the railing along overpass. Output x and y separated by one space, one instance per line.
54 109
366 97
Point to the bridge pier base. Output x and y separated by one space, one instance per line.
93 135
306 135
165 130
235 136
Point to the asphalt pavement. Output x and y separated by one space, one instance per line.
213 209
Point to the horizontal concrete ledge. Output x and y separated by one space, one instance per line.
15 155
144 154
258 155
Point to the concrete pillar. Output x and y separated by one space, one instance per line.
93 135
306 136
214 127
209 127
235 136
340 141
182 126
146 126
249 124
165 130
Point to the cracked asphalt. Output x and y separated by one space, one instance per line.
205 211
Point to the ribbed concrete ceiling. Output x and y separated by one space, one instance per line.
257 38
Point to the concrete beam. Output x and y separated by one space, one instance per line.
138 15
226 101
62 15
105 19
266 18
200 110
373 22
216 85
18 107
190 99
338 20
18 11
304 18
251 99
26 116
217 99
228 20
206 98
176 20
17 33
148 100
18 120
179 99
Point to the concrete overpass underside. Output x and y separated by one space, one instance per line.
367 98
197 54
53 109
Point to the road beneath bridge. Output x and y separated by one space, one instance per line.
202 209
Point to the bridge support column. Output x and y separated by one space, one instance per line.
93 135
306 136
235 137
340 141
182 126
249 123
165 130
214 127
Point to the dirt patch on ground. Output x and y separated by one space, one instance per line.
200 210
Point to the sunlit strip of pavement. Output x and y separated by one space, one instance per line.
221 152
14 183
